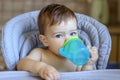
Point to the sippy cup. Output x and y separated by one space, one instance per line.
75 50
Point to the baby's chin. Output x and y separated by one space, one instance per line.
58 54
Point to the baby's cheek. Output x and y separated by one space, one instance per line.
57 48
60 44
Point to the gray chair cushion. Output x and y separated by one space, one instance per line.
20 36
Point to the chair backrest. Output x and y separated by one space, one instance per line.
20 36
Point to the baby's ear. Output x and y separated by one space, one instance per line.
43 39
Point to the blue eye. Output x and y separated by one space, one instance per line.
73 34
59 36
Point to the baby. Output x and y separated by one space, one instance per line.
57 24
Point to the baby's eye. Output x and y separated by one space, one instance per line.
59 36
73 34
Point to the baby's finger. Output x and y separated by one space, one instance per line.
57 76
88 46
94 48
47 78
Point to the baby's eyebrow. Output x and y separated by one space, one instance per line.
74 30
58 33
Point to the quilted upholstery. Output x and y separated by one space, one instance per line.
20 36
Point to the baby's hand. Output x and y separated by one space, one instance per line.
94 54
47 72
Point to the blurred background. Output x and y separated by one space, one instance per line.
105 11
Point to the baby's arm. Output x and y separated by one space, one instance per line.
33 63
92 60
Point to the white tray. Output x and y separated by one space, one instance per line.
84 75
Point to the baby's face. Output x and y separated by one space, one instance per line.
56 35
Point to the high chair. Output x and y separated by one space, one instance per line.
20 36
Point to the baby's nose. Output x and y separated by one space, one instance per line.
67 37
